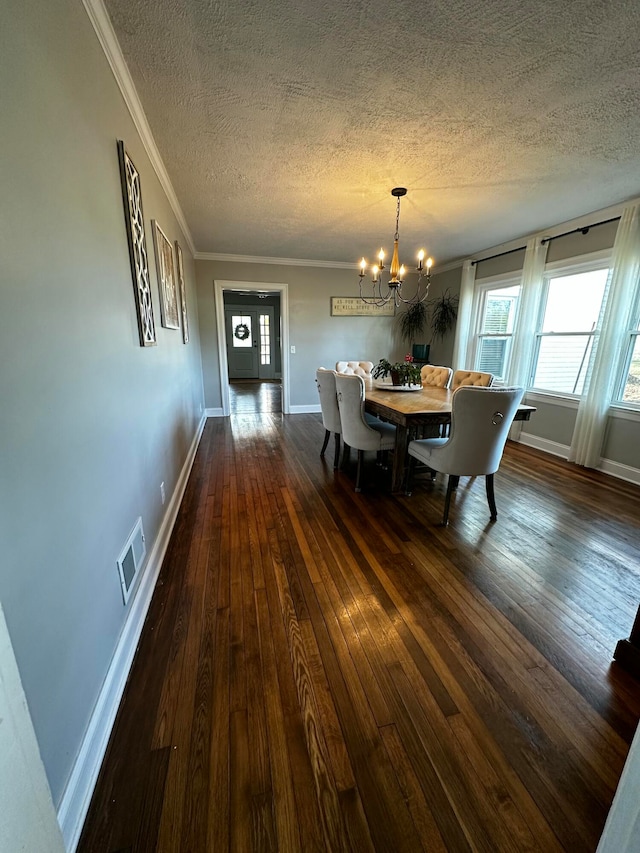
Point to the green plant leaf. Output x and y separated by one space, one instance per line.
413 320
444 313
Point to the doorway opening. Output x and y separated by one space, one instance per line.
247 397
252 322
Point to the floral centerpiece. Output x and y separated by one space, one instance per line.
402 372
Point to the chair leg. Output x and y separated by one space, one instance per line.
336 457
346 452
452 485
359 471
491 498
408 477
324 444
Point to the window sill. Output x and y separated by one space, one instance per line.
616 410
553 399
624 413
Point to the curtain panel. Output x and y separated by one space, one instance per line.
611 335
463 326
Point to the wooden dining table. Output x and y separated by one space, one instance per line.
410 410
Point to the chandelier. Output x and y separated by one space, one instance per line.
376 295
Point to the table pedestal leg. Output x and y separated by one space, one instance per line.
399 459
627 652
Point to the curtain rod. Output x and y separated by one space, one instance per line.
499 255
584 230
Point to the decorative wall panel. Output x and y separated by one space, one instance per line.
166 278
182 290
134 221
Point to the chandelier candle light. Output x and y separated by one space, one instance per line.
396 272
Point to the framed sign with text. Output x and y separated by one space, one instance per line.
353 306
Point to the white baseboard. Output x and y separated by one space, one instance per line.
607 466
545 444
309 409
623 472
77 796
312 408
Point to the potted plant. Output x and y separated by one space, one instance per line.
444 312
412 323
402 372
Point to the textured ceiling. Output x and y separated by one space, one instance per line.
284 125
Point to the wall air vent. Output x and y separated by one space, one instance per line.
131 559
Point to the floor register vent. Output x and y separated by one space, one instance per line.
131 559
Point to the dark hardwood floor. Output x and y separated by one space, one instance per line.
250 396
326 670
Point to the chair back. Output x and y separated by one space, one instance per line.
471 377
435 376
355 430
326 382
359 368
480 422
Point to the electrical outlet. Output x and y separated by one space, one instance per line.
162 493
293 350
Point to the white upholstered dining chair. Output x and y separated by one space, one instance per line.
360 368
357 432
326 383
480 422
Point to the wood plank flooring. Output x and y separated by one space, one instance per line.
248 396
325 670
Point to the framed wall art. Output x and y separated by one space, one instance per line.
166 278
134 222
182 292
353 306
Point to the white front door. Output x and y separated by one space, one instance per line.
251 338
242 342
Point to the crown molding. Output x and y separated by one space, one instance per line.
451 265
285 262
103 27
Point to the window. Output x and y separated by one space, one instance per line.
497 314
265 339
630 390
241 325
566 330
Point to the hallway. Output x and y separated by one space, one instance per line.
248 396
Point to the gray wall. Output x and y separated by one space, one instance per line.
90 422
622 441
573 245
511 262
319 338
